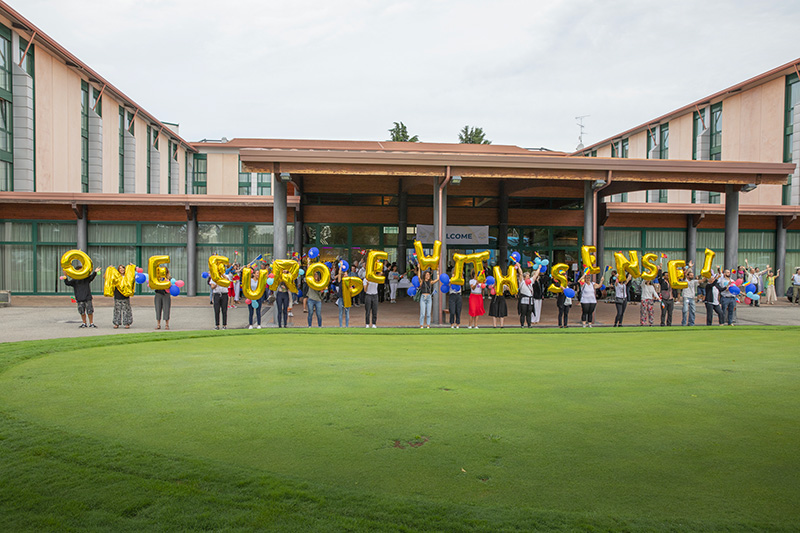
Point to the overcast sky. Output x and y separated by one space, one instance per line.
521 70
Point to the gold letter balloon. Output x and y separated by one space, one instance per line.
676 277
431 261
707 271
76 273
559 273
157 273
628 265
509 280
650 270
351 286
216 269
247 276
375 259
324 275
115 280
286 271
589 259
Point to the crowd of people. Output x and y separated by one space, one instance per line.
656 297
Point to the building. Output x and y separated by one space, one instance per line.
86 167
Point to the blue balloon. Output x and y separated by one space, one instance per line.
445 289
490 281
444 279
516 257
569 293
329 265
545 262
270 281
299 294
254 304
411 291
751 288
205 275
174 290
345 265
733 289
140 278
755 297
313 253
542 268
415 281
301 272
456 287
172 281
537 261
603 287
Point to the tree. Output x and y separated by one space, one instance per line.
400 134
472 136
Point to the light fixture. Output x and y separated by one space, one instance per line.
597 184
749 187
455 180
286 177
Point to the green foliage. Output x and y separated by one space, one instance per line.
402 430
400 134
472 136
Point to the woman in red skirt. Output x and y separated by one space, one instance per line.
475 301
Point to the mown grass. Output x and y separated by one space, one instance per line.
402 430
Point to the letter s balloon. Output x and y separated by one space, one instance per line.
76 273
559 272
649 268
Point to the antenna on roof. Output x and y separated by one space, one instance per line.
581 126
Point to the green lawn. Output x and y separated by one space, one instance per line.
403 430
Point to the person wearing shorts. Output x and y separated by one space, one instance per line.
83 295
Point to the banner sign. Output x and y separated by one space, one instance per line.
455 235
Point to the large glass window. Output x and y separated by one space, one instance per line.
199 184
84 136
245 180
663 145
264 184
792 100
715 151
121 149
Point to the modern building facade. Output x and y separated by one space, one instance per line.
82 165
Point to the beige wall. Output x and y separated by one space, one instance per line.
604 151
140 132
58 125
110 144
637 145
680 137
223 173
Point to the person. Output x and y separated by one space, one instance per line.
370 302
83 296
564 304
649 295
588 299
497 306
688 295
282 299
620 297
220 296
667 299
728 298
394 280
771 296
475 301
361 272
753 277
123 314
338 284
525 302
712 292
255 309
302 288
796 287
426 283
163 303
314 302
538 288
454 304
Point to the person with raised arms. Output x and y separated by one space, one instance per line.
588 299
426 284
475 300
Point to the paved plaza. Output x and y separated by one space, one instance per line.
48 317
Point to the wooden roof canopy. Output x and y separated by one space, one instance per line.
342 158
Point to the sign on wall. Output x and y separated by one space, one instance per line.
455 235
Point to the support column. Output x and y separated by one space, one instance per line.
601 249
279 218
731 227
436 313
191 251
588 214
82 240
691 239
298 220
402 228
780 257
502 232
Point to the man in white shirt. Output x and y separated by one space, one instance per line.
688 295
796 286
370 302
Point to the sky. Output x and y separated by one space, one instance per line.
349 69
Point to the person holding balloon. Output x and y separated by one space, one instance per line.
712 298
340 269
525 302
83 296
123 314
314 301
475 300
426 283
394 280
454 303
219 295
728 296
649 296
497 303
620 297
254 306
688 295
588 298
162 303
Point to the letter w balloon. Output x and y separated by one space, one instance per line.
431 261
76 273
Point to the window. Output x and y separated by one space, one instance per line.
663 146
96 102
169 167
149 141
121 149
245 180
186 172
84 136
715 151
614 150
200 174
264 184
129 122
624 148
650 141
698 125
792 100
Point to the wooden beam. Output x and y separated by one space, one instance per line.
25 53
697 218
99 96
788 220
